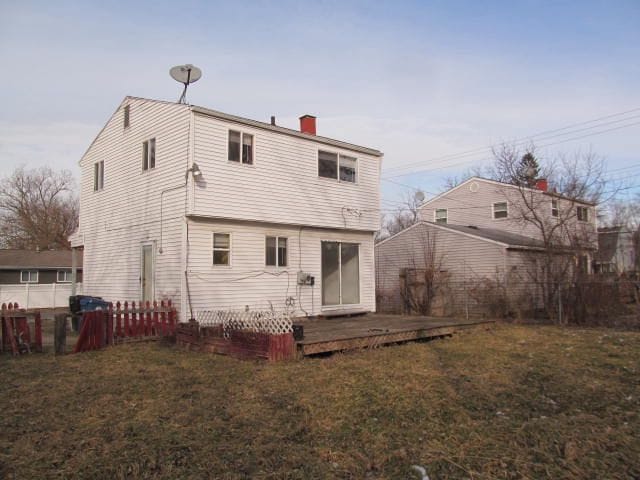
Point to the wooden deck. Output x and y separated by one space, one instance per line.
372 330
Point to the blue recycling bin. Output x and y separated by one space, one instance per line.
84 303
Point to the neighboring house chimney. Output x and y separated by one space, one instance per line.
308 124
542 184
273 119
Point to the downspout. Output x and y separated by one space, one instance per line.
185 293
74 267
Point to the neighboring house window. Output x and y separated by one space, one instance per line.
64 276
98 176
583 214
441 215
340 273
329 164
554 208
500 210
149 154
221 248
29 276
276 252
240 147
126 116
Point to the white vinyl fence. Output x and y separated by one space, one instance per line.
45 295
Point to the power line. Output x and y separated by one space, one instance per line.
473 152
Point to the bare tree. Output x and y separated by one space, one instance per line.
38 209
405 215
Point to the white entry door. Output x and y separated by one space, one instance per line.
147 272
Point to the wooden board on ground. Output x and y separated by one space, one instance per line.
372 330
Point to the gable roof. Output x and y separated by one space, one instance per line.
500 237
46 259
495 182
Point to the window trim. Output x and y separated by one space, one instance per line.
339 155
587 213
339 306
493 210
253 144
146 157
213 249
64 271
30 271
446 216
98 176
277 265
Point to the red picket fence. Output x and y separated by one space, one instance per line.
126 321
16 332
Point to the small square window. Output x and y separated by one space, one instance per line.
328 165
149 154
29 276
64 276
500 210
582 214
221 248
98 176
347 169
554 208
126 116
441 215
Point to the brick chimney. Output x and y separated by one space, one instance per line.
308 124
542 184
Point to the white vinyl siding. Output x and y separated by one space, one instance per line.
29 276
283 185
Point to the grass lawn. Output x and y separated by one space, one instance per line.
515 402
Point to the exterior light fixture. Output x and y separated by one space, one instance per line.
195 171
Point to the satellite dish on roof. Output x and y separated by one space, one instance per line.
185 74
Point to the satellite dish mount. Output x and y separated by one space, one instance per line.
185 74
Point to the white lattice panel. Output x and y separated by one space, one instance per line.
262 321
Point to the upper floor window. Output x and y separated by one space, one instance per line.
64 276
276 252
149 154
240 147
221 249
441 215
582 214
29 276
500 210
339 167
126 116
554 208
98 175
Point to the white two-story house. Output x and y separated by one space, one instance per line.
483 230
216 211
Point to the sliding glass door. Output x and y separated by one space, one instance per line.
340 273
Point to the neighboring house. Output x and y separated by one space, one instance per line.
37 267
616 251
216 211
483 233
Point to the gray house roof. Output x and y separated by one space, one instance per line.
511 240
45 259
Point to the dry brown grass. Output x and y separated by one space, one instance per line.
516 402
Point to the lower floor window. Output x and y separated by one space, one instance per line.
64 276
29 276
276 252
340 273
221 248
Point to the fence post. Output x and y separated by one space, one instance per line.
37 326
560 303
60 334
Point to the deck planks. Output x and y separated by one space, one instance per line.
372 330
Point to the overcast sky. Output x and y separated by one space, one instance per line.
417 80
